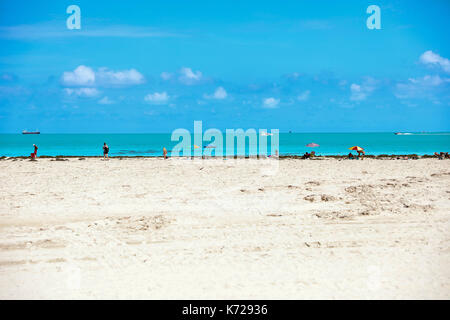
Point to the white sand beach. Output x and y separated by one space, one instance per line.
224 229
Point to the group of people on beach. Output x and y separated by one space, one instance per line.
105 152
361 154
307 155
442 155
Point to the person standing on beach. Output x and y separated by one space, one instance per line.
34 154
165 153
105 150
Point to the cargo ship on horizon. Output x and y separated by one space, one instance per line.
31 132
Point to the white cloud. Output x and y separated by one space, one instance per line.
219 94
106 100
124 77
431 58
85 76
420 87
357 94
355 87
166 75
81 76
187 76
82 92
157 98
362 91
428 80
270 102
304 96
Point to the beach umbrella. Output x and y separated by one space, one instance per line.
312 145
356 148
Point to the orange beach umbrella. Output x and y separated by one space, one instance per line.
356 148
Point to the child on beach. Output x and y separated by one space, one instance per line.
105 150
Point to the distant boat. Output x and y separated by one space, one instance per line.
30 132
265 134
402 133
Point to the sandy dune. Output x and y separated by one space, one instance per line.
156 229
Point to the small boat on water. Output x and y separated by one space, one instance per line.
402 133
30 132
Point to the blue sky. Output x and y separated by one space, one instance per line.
154 66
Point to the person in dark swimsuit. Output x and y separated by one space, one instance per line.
105 150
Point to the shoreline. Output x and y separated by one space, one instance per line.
281 157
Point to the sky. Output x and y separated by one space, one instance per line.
155 66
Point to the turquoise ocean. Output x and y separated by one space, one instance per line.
289 144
